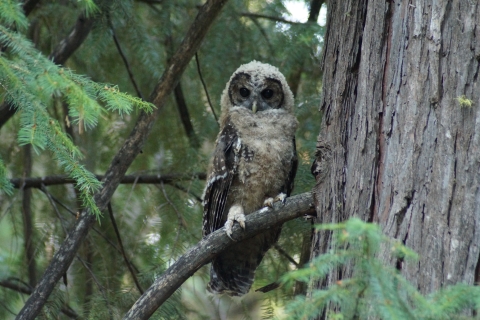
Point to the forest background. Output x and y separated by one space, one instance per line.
59 123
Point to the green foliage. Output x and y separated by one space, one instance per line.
77 116
31 83
375 290
11 13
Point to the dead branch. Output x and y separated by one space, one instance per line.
211 246
205 86
124 58
264 16
185 116
123 159
144 179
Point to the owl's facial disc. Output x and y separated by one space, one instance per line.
255 94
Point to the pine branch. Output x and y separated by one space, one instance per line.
137 179
60 54
123 159
211 246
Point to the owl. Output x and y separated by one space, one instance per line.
253 165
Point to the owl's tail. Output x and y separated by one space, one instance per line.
234 282
233 271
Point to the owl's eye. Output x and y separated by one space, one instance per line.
267 93
244 92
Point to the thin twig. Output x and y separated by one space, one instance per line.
11 284
264 16
268 287
7 308
264 34
205 87
73 213
124 58
285 254
187 191
100 287
92 275
122 249
181 221
59 216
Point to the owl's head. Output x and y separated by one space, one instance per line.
257 87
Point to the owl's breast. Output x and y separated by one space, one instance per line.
265 159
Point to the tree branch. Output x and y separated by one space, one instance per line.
315 6
124 59
264 16
144 179
122 249
185 116
205 86
60 54
211 246
28 230
123 159
23 288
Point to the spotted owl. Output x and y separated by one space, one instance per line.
253 165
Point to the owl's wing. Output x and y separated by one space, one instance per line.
225 163
289 183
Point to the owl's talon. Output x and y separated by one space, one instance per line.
234 214
268 202
281 197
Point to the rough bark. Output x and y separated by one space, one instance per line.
404 149
212 245
123 159
28 230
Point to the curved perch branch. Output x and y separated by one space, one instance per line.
210 246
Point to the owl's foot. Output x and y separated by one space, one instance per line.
234 214
270 201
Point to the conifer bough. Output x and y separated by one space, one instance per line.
123 159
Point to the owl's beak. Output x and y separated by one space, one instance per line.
254 107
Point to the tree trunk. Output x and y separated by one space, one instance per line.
400 136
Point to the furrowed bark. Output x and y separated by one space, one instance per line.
123 159
210 246
401 114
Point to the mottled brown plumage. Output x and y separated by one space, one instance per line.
254 161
